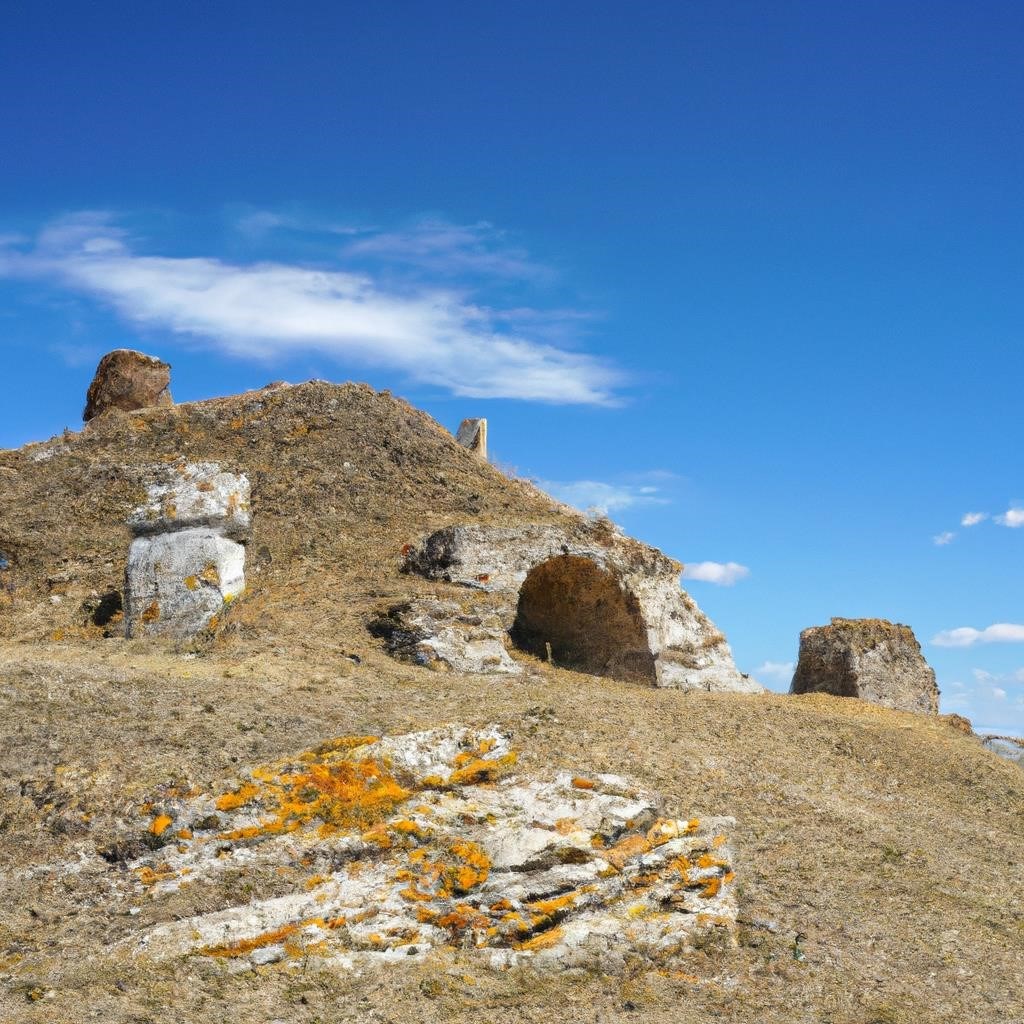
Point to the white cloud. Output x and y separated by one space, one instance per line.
1012 517
973 518
941 539
435 335
724 574
782 671
595 496
966 636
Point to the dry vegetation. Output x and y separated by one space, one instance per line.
879 853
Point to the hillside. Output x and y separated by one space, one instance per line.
877 854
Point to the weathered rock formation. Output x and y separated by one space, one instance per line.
873 659
1009 747
403 845
472 434
188 556
128 380
589 599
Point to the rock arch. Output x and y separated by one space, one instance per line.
592 622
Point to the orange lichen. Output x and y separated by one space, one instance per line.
191 582
482 770
711 888
152 613
244 946
472 868
159 825
184 833
705 860
544 940
625 850
718 841
413 895
581 783
242 795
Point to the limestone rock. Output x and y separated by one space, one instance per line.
444 634
424 843
194 494
187 560
605 604
472 434
873 659
128 380
177 582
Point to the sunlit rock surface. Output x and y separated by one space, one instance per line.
401 845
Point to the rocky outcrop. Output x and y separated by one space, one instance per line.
588 599
128 380
400 846
188 556
1009 747
873 659
446 635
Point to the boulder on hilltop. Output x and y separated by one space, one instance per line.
128 380
873 659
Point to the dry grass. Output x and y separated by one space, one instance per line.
879 853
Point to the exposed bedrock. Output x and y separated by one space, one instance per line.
588 599
128 380
188 557
873 659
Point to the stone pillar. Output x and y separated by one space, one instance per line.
472 434
187 559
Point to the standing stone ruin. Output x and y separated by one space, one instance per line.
472 434
187 558
583 598
873 659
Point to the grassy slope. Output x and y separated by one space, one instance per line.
890 843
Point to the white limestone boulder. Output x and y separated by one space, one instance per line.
176 583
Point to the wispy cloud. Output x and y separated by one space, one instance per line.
600 497
437 335
724 574
780 671
967 636
942 539
1012 517
973 518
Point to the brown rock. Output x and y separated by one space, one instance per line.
128 380
873 659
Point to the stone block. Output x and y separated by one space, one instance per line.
472 434
872 659
194 494
176 583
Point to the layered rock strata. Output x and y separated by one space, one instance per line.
872 659
398 846
187 559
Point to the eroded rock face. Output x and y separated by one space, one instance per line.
605 604
1009 747
128 380
446 635
187 559
399 846
873 659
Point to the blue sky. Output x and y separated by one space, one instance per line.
747 275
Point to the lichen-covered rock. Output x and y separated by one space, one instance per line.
176 583
187 560
873 659
589 599
400 846
128 380
442 634
191 494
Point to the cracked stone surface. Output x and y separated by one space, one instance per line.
444 634
403 845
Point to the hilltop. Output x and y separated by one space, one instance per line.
877 853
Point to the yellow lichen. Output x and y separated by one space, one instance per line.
159 825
